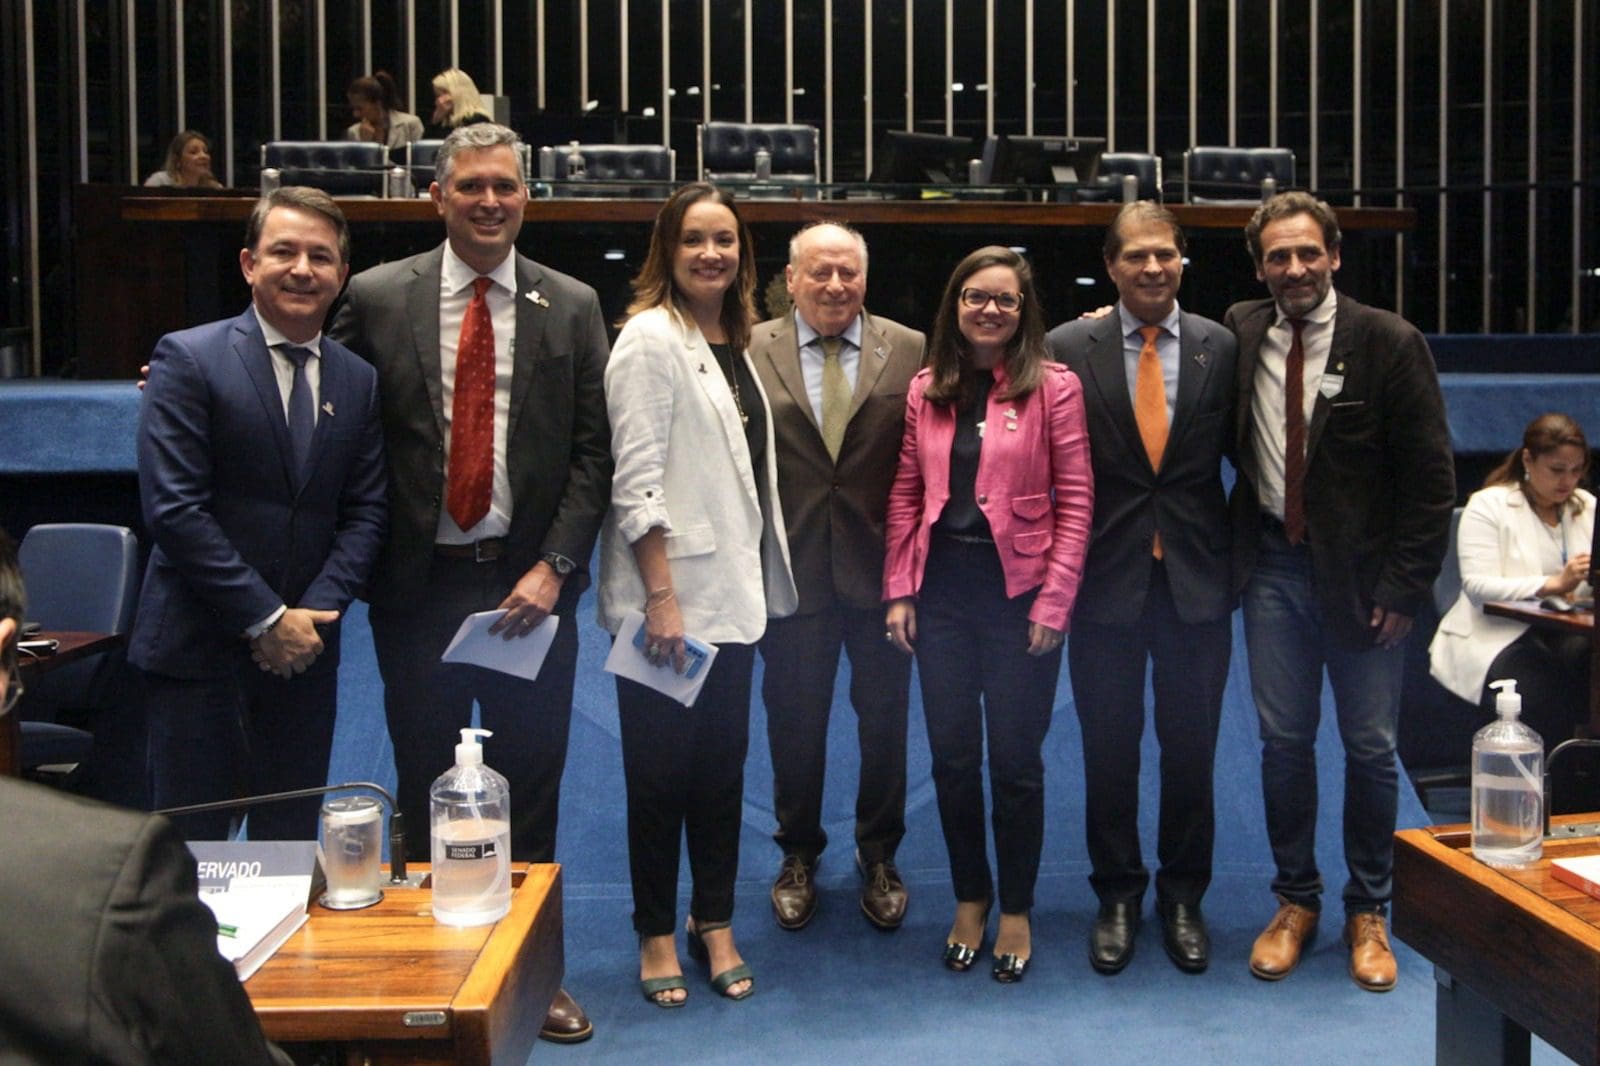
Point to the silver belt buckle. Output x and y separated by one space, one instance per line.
477 552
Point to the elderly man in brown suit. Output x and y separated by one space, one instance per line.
836 379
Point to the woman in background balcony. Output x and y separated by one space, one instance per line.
987 527
375 103
456 101
188 164
1524 536
695 542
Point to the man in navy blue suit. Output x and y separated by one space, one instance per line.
262 483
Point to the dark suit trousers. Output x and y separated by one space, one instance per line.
801 656
244 735
1189 668
684 770
979 683
428 703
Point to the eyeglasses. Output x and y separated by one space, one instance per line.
977 299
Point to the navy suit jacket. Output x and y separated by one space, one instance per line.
236 531
1184 500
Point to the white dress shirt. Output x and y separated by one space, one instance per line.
455 293
1266 401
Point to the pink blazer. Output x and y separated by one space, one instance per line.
1034 485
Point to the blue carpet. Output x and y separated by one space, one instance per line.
842 991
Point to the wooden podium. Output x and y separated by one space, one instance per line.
1514 951
390 985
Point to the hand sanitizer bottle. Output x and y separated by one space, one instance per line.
470 830
1507 785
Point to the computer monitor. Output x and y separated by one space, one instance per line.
1020 160
907 158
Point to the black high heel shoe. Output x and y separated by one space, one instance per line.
1008 968
960 957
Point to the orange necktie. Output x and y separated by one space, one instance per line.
1150 407
471 473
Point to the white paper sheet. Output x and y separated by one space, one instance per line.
628 661
520 656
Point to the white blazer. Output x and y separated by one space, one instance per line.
682 463
1498 546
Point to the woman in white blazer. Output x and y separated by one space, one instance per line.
694 540
1525 535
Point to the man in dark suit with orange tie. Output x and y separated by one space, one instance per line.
1158 387
262 483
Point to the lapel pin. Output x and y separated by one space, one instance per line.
701 368
981 426
1202 357
327 408
534 296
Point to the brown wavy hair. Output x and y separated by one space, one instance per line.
654 287
950 356
1544 435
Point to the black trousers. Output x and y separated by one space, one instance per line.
243 735
979 682
1189 669
684 771
801 656
427 703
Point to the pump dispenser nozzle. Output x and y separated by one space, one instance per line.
469 752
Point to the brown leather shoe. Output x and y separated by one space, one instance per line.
794 893
1371 962
565 1022
883 894
1277 949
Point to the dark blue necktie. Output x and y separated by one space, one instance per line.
302 411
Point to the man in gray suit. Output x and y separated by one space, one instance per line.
836 379
1158 388
490 373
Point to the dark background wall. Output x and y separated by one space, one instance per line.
1479 114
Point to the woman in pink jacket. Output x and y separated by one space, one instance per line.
987 526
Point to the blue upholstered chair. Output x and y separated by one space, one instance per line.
1214 175
728 151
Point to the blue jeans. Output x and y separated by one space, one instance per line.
1289 647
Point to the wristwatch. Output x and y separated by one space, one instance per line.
559 563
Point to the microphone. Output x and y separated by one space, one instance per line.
397 833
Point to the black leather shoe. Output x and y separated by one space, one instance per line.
1183 933
794 893
1111 939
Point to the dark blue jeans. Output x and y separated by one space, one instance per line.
1289 648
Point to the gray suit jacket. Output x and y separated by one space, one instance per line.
1184 500
109 956
558 440
834 512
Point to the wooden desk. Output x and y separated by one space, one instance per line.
1514 951
70 645
390 985
1563 622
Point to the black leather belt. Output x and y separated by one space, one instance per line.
480 551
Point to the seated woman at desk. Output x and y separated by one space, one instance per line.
456 101
375 104
1524 536
188 164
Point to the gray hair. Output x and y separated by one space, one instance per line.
473 138
304 198
851 231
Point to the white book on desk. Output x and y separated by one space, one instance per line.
1581 872
258 891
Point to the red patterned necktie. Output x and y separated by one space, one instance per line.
471 474
1294 437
